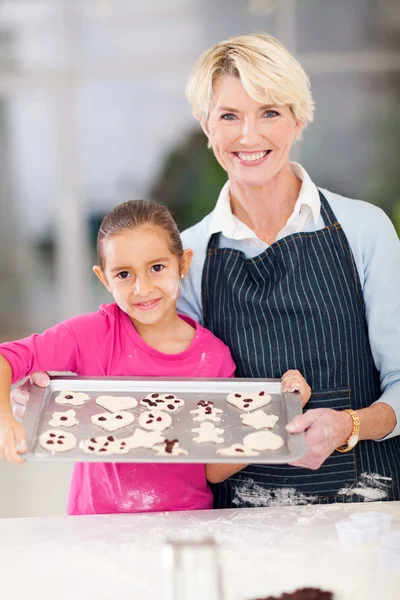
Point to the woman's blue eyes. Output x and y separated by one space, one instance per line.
268 113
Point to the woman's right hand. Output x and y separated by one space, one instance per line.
12 439
20 394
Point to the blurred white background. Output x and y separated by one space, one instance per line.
92 108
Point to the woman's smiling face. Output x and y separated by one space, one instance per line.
251 141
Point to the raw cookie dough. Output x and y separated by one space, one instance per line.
259 420
74 398
237 449
167 402
55 440
248 402
63 419
170 448
208 433
104 445
263 440
206 412
116 403
144 439
155 420
113 421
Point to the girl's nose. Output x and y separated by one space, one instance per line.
142 286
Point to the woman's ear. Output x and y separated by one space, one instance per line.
204 126
186 261
99 273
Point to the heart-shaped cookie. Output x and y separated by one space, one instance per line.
113 421
116 403
248 401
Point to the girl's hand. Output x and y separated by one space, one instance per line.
12 440
20 394
293 381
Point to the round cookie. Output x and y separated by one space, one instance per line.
55 440
263 440
155 420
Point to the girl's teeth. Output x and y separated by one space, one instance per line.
251 157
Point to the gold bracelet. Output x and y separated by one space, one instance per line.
354 436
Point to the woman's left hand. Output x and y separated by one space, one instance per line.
325 430
293 381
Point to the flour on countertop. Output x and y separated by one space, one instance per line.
253 494
371 486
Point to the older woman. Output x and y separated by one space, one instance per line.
294 277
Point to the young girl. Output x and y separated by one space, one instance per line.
141 262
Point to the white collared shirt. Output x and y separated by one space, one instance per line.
376 250
306 209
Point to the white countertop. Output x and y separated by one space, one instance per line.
265 551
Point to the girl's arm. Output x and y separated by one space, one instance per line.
215 473
12 433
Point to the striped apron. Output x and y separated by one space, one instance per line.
299 305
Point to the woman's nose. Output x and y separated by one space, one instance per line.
251 136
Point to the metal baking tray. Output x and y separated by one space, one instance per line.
286 406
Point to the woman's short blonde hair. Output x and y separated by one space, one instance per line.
267 70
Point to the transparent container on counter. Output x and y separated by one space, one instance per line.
192 570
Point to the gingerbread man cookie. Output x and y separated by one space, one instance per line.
206 412
208 433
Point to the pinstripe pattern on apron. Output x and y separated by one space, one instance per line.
299 305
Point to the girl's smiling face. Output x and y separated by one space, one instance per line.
142 273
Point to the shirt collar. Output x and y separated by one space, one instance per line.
224 221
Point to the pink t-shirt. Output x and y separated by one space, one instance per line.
106 343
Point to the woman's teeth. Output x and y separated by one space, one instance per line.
251 157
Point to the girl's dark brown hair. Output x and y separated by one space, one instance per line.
134 214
